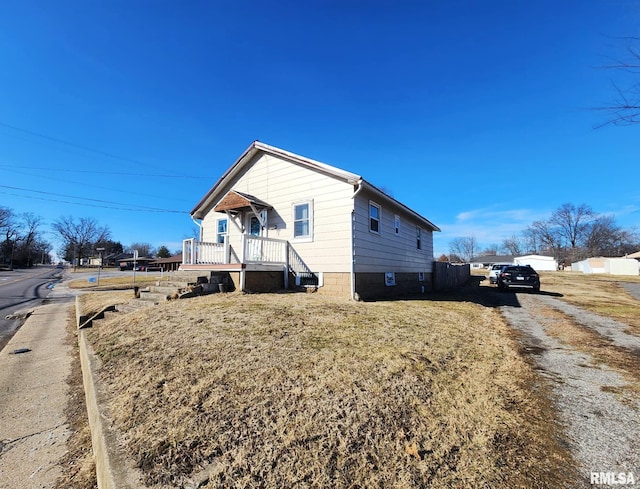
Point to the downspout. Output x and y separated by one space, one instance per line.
199 227
353 249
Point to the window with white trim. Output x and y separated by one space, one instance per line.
303 220
221 230
396 224
418 238
375 213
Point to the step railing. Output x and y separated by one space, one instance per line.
257 249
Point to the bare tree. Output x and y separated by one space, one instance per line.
10 229
144 249
572 223
606 238
79 236
466 247
624 110
513 245
543 236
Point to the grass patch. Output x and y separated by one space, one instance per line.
111 283
601 294
284 390
95 302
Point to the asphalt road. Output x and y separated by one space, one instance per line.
20 290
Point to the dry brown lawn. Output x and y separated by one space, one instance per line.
298 390
125 283
598 293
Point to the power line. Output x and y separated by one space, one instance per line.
89 184
139 209
61 170
73 145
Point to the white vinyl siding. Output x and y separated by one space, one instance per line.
389 252
281 184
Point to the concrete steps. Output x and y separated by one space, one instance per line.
182 286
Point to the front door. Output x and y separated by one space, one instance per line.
255 229
254 246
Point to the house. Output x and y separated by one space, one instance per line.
540 263
635 256
611 266
278 220
485 261
169 264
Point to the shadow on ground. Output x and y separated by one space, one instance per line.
475 291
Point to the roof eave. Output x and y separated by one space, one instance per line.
372 188
254 148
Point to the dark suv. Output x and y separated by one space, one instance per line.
518 276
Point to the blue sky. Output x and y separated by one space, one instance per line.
477 114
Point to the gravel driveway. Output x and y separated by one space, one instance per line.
601 419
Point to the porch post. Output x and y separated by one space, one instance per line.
243 243
188 251
227 251
286 265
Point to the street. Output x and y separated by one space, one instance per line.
20 290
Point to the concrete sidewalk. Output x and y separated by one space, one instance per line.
33 396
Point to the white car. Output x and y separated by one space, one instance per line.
494 270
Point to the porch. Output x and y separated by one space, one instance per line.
255 254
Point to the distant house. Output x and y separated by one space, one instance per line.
635 256
277 220
169 264
540 263
612 266
485 261
114 259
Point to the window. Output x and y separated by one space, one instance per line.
418 238
396 224
222 230
302 220
374 217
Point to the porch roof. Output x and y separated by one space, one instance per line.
237 201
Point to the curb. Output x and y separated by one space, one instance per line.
86 321
112 471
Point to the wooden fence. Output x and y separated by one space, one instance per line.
448 275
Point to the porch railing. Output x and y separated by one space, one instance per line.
254 249
264 250
199 252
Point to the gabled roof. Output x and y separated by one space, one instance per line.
235 201
257 147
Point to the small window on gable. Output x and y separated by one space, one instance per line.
396 224
418 238
303 220
375 211
221 231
